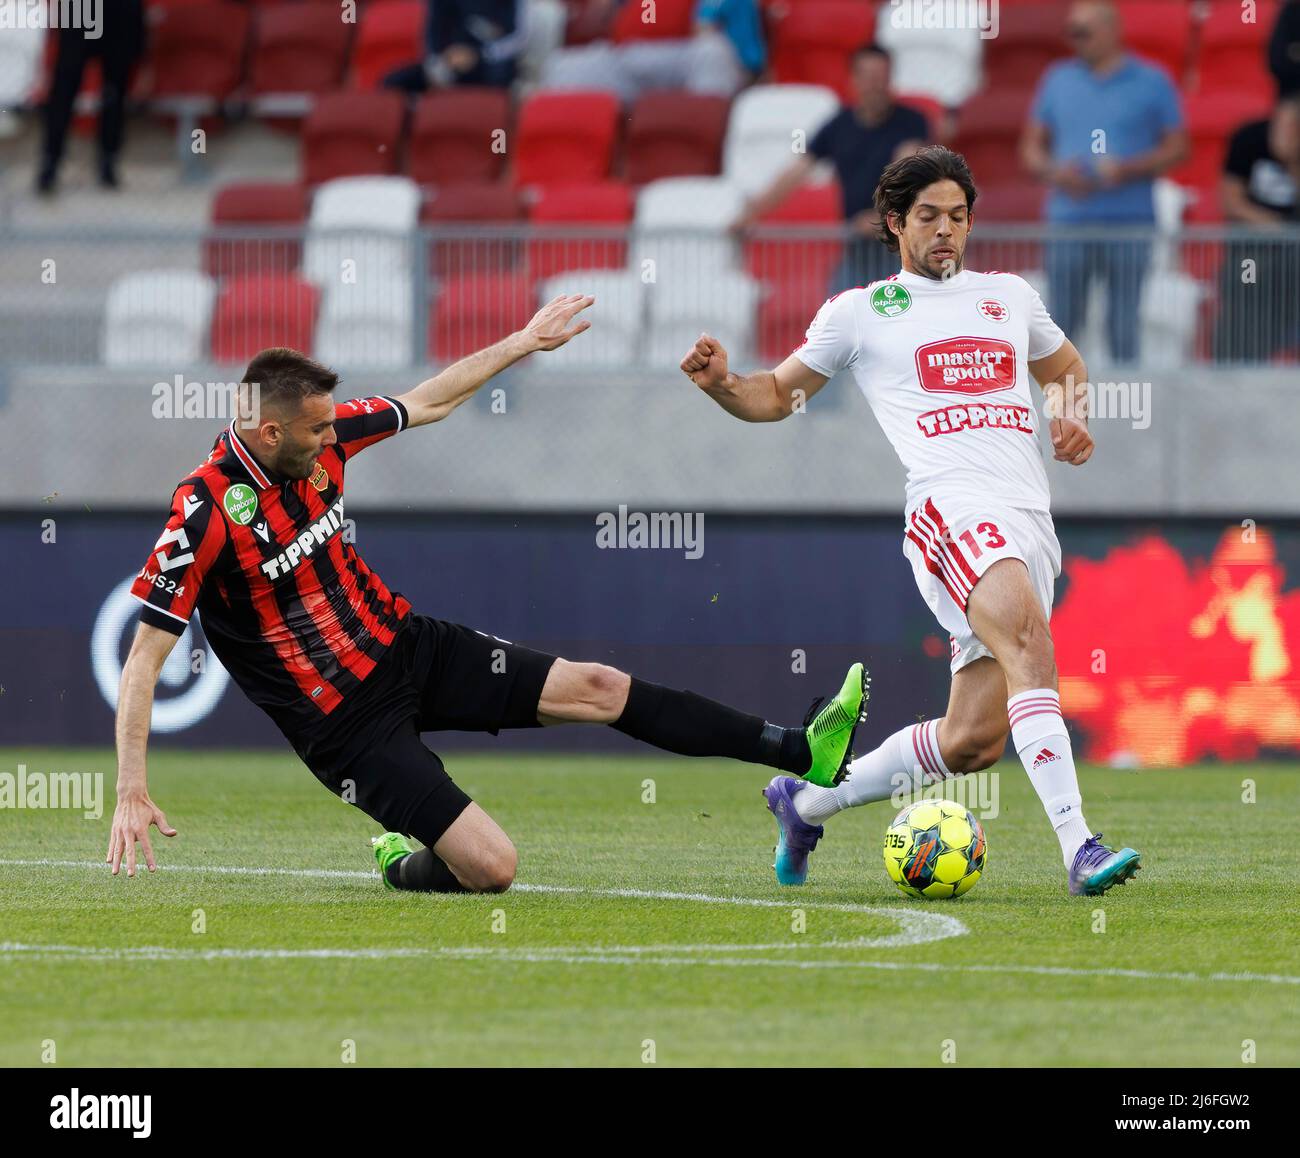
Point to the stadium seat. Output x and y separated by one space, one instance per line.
21 50
297 50
367 324
475 310
675 134
617 316
787 309
942 63
566 137
760 132
158 318
477 203
368 222
681 223
788 260
671 20
452 136
605 206
1212 118
813 40
390 34
255 312
1232 56
1031 36
248 219
350 134
196 54
1158 31
1018 201
681 304
988 132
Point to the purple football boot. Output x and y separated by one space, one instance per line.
1096 867
795 837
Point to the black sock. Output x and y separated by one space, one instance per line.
692 725
424 872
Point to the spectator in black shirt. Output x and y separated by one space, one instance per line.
473 42
1259 315
859 141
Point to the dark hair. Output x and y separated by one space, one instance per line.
903 179
284 376
870 49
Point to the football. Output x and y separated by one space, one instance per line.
935 849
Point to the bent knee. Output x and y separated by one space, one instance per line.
974 749
493 872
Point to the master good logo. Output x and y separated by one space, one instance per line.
966 365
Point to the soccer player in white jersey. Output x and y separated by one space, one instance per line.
944 356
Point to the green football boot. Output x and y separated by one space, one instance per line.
830 730
389 848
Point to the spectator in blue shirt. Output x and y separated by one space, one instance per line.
1102 127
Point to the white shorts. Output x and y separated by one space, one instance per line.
951 542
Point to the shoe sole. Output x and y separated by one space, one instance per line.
849 756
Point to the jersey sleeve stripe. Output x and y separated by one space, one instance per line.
151 615
402 417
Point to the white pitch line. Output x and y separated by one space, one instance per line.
916 926
614 955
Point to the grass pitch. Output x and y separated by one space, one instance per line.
611 964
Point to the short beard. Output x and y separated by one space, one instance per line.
924 268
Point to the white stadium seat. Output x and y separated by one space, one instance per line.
369 221
723 304
943 63
20 54
681 224
761 132
367 324
617 319
157 318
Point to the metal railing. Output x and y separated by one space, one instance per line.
374 299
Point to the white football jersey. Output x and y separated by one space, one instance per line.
945 367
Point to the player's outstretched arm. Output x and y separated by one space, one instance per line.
135 812
764 396
549 329
1064 379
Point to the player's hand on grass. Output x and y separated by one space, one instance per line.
131 820
550 329
706 363
1071 441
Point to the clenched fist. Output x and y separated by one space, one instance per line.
706 363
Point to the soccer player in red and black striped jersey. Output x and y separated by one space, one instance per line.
256 544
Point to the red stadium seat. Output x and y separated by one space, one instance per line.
1233 55
566 137
255 312
988 131
675 134
298 49
1019 201
473 203
604 204
238 212
196 53
787 261
1158 31
1030 37
813 41
452 136
672 20
390 35
1211 121
472 312
784 315
352 134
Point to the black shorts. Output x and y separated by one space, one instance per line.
437 676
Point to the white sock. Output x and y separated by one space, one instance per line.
909 759
1043 745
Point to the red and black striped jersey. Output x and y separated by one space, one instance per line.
288 605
